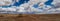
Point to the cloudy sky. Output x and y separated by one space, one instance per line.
31 5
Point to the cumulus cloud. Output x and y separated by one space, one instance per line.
28 7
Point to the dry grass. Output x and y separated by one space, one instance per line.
31 17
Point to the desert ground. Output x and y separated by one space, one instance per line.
29 17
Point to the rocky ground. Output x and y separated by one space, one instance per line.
29 17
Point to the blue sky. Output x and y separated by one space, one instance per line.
20 2
46 3
16 3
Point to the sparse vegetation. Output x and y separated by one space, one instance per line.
32 17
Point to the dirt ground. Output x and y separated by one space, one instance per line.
30 17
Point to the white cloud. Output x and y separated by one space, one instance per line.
29 6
